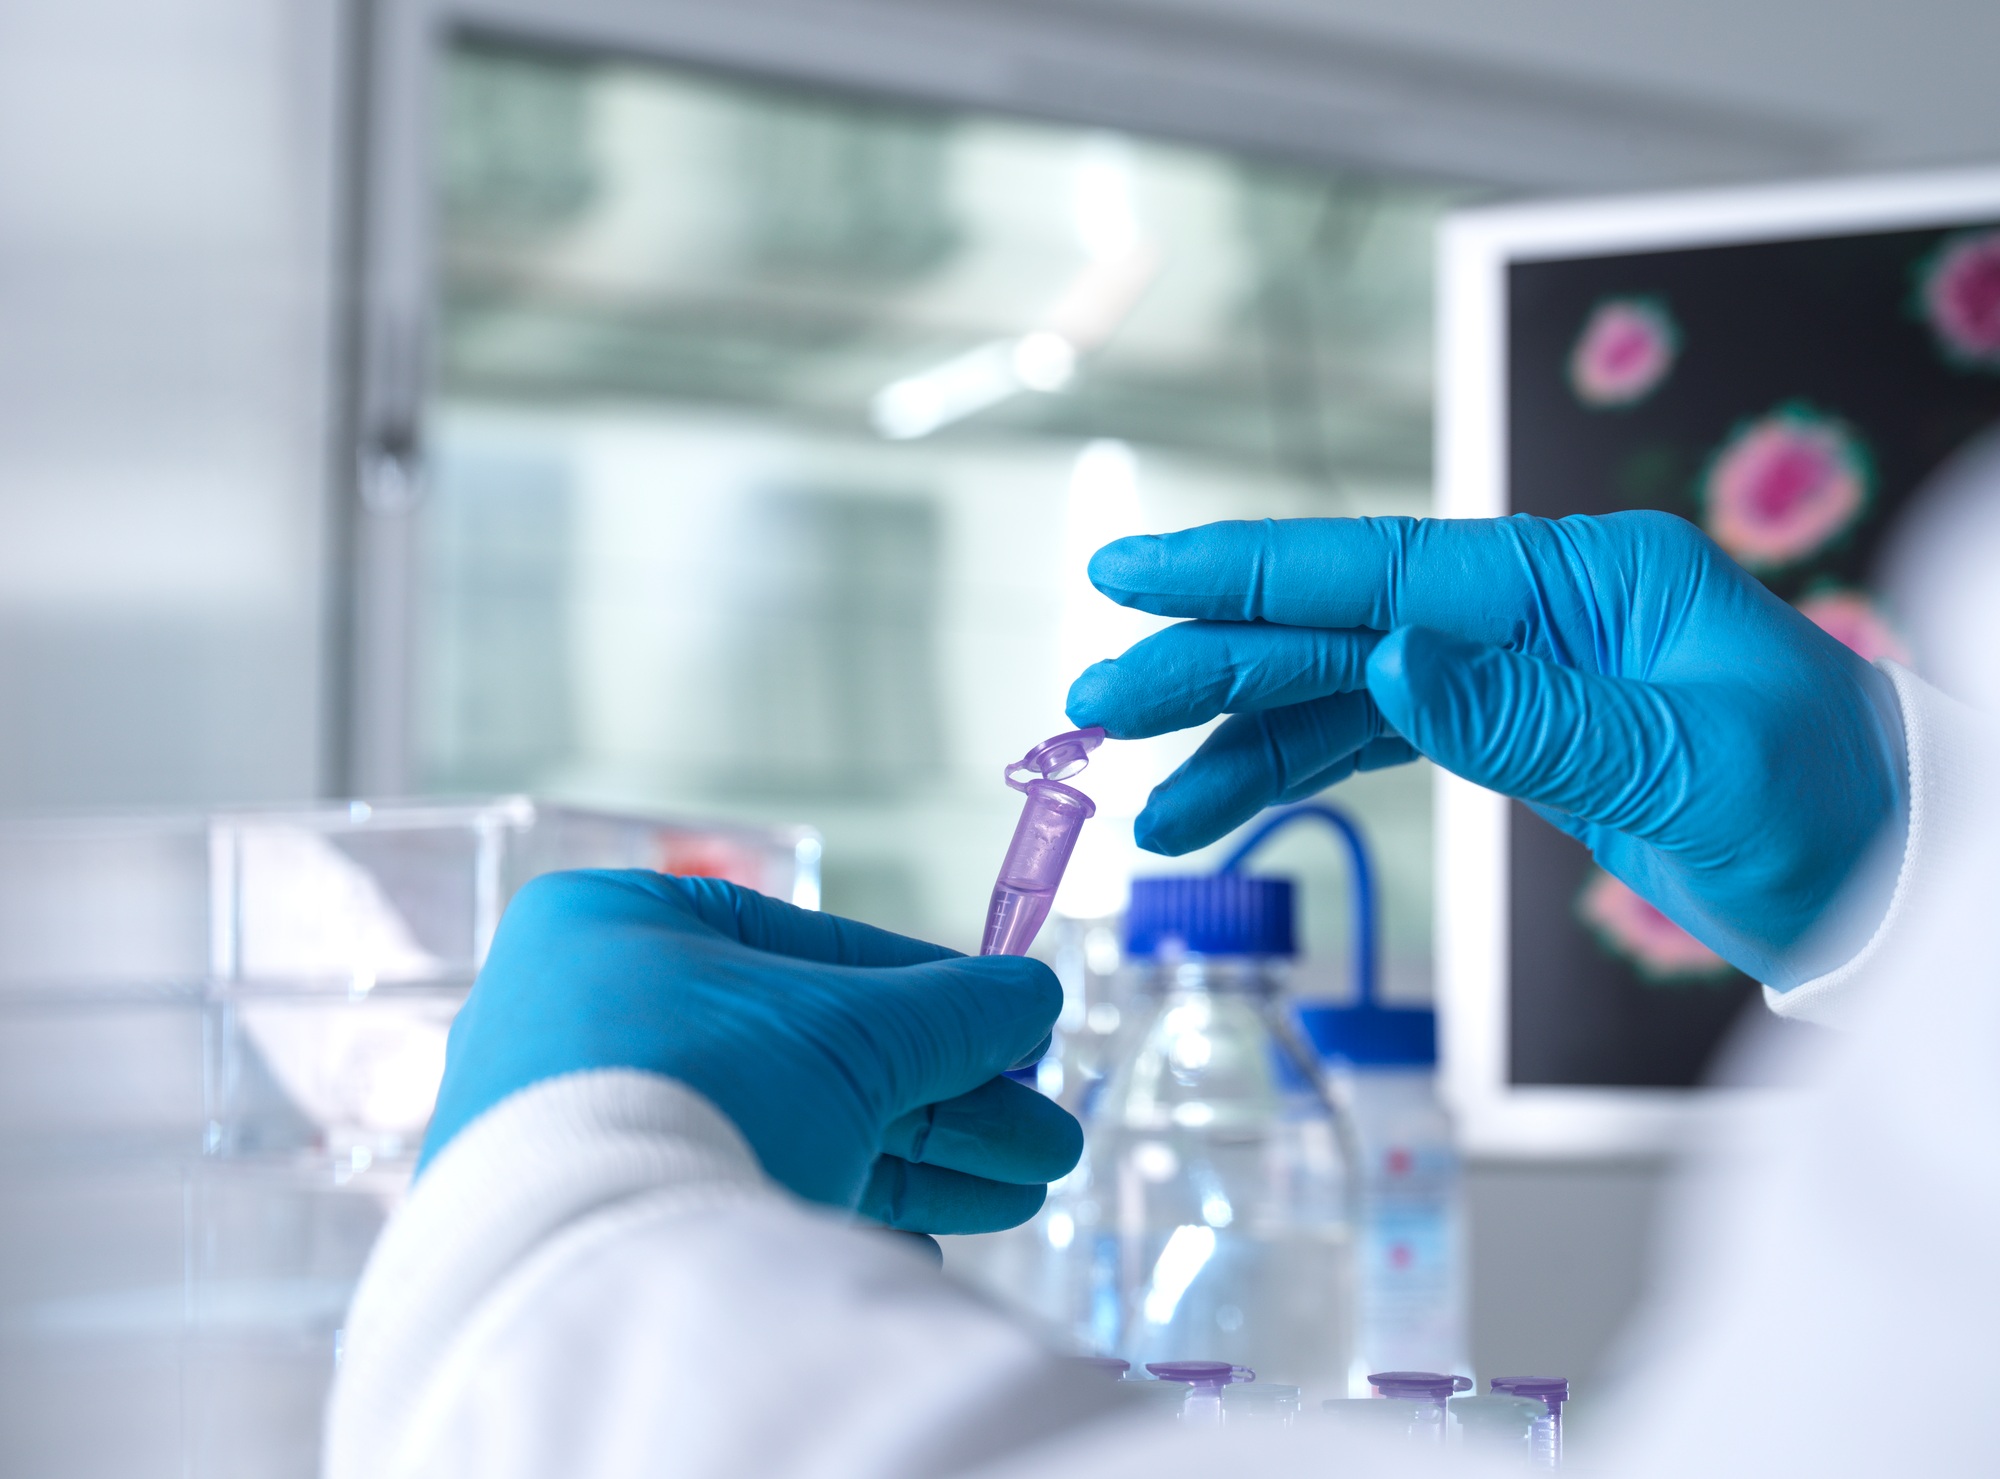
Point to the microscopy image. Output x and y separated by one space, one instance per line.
1961 299
1856 620
1785 486
1808 391
1660 950
1625 350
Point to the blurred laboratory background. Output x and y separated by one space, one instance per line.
697 418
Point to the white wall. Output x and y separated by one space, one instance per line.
165 249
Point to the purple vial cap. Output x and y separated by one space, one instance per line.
1055 759
1552 1390
1435 1384
1216 1374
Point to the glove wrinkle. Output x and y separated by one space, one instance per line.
921 1139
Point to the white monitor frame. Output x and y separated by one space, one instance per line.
1475 249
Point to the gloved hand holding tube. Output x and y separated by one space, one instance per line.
1713 748
862 1067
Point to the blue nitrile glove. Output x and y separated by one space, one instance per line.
1713 748
862 1067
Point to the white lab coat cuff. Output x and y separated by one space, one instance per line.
542 1160
1950 751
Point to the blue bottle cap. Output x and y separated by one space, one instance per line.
1371 1036
1210 914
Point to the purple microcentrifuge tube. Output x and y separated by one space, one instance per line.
1043 839
1551 1392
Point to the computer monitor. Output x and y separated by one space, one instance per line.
1685 352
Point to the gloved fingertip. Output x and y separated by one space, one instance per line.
1154 835
1024 977
1117 567
1069 1152
1034 1055
1387 663
1088 700
922 1244
1389 677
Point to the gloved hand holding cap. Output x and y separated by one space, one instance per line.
1714 749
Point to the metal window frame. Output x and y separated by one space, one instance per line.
1475 249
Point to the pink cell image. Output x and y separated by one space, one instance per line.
1853 619
1633 928
1961 293
1624 352
1784 486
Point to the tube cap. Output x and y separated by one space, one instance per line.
1550 1390
1211 914
1055 759
1437 1384
1212 1374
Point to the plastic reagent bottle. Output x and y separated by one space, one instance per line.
1382 1063
1551 1392
1043 839
1214 1212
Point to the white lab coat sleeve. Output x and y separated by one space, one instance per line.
1831 1297
1950 752
595 1280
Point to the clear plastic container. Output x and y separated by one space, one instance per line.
1214 1214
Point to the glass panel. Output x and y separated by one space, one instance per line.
773 431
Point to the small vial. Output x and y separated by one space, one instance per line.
1422 1395
1162 1399
1109 1368
1265 1403
1501 1427
1551 1392
1208 1378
